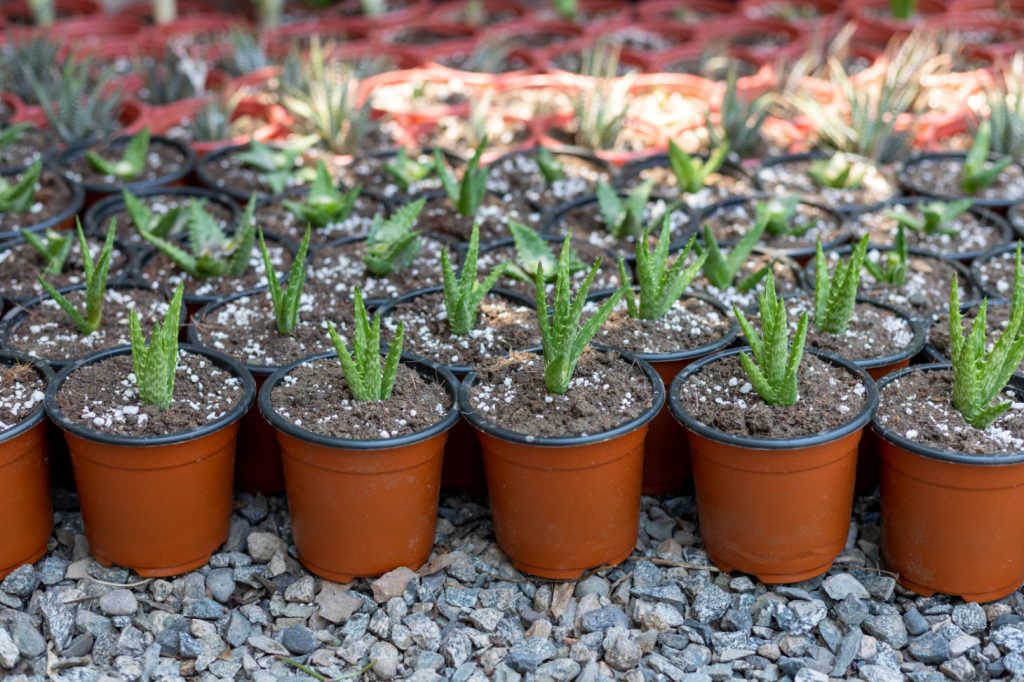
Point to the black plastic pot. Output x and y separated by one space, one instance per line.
588 157
988 290
13 318
60 221
932 354
96 190
202 173
909 187
1016 215
631 170
783 159
317 235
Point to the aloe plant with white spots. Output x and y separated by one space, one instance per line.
156 363
211 252
661 284
721 270
935 217
840 171
692 172
407 171
467 194
392 243
368 379
624 216
147 221
325 204
835 293
463 294
978 171
534 252
132 161
891 267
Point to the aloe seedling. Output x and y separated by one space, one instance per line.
53 248
407 172
18 197
392 244
286 300
600 111
211 252
463 293
81 105
325 203
467 195
837 172
835 294
740 120
692 172
366 378
902 9
549 166
155 364
131 163
892 267
95 284
624 216
935 216
773 370
12 134
661 285
778 214
566 9
532 252
146 221
276 165
562 337
721 270
977 172
979 376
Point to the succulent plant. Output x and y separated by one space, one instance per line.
368 379
835 294
467 194
661 284
392 243
325 204
463 293
18 197
156 363
95 284
935 216
978 172
286 299
624 217
692 172
132 161
211 252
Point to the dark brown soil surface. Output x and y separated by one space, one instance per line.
22 388
996 274
370 173
316 397
461 136
585 222
275 217
719 395
246 329
440 217
689 324
972 233
22 265
786 281
918 406
520 175
607 275
731 222
31 145
47 332
102 397
941 177
53 195
997 318
227 172
162 160
874 332
335 271
159 205
791 178
502 326
719 186
606 391
158 270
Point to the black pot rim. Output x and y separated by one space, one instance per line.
908 185
491 429
80 148
976 264
101 211
207 181
223 361
37 414
45 155
14 316
457 370
661 160
691 423
73 208
780 159
1016 381
1015 216
440 375
676 356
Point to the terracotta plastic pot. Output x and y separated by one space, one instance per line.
361 507
18 11
160 506
736 31
13 106
693 11
24 482
561 506
874 15
777 509
951 522
829 13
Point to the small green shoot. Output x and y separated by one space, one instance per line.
155 364
721 270
211 252
95 284
12 134
979 376
936 216
132 162
286 301
467 195
692 172
549 166
838 172
325 204
624 217
145 221
406 171
978 173
892 266
463 293
19 196
774 369
367 379
835 294
566 9
661 285
276 165
53 247
740 119
533 252
562 336
779 214
392 244
902 9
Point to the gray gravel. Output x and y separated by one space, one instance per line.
254 613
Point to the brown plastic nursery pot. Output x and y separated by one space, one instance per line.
951 522
564 505
24 482
160 506
361 507
777 509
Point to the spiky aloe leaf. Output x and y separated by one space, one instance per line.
835 295
286 301
54 248
692 172
392 244
325 204
721 270
978 172
156 363
18 197
132 161
463 293
367 380
661 285
95 283
892 267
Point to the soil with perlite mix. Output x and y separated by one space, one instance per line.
21 390
162 160
942 177
52 196
689 324
790 177
873 332
968 232
23 266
